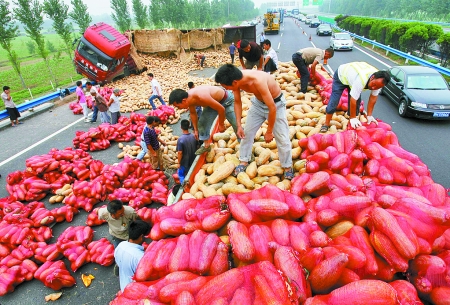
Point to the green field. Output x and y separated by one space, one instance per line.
19 45
34 71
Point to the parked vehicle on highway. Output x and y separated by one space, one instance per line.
314 23
341 41
419 92
324 29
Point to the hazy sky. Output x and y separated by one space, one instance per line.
99 7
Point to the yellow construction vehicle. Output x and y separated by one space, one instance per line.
271 22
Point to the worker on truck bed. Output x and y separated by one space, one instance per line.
355 77
309 56
252 53
216 101
268 104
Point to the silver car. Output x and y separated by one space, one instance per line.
341 41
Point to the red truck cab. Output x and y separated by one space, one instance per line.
102 53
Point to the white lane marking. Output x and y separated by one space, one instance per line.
330 70
39 143
278 45
281 35
381 62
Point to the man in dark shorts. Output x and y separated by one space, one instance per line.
252 53
13 113
186 147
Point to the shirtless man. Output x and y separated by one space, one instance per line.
216 101
267 104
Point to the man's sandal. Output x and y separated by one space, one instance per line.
289 175
202 150
239 169
324 128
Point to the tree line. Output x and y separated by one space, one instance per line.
423 10
403 36
31 15
182 14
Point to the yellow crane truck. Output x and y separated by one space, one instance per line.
271 22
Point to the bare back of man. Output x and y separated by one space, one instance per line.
216 102
206 96
265 89
258 83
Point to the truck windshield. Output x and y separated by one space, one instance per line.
94 55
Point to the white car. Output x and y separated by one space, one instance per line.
341 41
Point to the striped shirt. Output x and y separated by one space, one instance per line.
151 138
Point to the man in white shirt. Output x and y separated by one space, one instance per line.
271 58
355 77
129 253
156 91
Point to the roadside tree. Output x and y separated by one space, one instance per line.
80 15
397 31
9 31
174 12
31 47
50 46
30 15
413 38
121 14
434 32
140 14
57 11
444 49
155 12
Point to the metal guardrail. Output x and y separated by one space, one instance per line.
397 52
36 102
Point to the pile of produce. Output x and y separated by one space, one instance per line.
76 107
362 222
348 239
78 182
126 130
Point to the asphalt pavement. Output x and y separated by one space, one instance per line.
50 126
55 127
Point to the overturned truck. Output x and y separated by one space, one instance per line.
103 53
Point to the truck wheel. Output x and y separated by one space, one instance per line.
126 71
